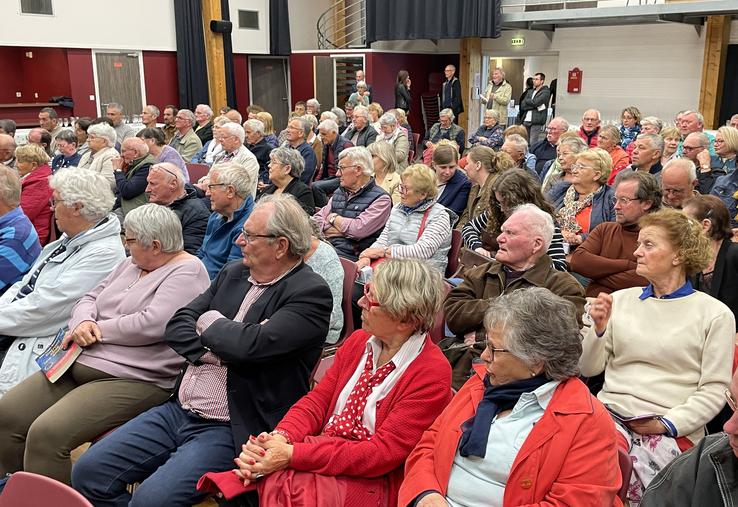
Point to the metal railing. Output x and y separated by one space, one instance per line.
343 25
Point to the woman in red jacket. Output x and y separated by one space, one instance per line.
524 430
345 442
33 165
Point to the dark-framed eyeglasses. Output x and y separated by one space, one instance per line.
249 238
494 350
343 168
624 201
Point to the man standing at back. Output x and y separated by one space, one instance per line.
451 92
534 107
114 111
49 120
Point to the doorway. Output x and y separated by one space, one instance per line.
119 78
335 78
269 85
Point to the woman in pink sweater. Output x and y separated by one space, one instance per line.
125 367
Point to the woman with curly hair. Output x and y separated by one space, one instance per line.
664 349
510 190
630 125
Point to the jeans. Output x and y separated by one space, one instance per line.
166 448
322 188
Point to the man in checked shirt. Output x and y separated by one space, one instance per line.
250 341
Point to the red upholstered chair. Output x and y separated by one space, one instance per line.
453 254
197 171
25 489
626 469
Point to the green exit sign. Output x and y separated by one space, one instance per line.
517 41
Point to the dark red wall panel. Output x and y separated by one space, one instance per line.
160 76
82 83
241 74
46 74
301 77
12 77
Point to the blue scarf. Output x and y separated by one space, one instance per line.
409 209
496 399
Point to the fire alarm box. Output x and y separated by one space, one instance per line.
574 83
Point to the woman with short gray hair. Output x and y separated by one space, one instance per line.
67 268
525 413
390 131
101 139
285 168
490 133
125 366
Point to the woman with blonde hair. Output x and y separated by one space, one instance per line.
385 168
32 164
482 167
665 349
588 201
609 140
266 118
671 138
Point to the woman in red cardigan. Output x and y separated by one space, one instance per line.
524 430
33 166
346 441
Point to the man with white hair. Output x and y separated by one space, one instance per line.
131 170
185 141
358 210
313 107
298 130
204 126
497 95
166 186
445 129
646 156
545 149
360 76
258 145
232 137
517 147
149 115
590 128
521 261
360 132
114 111
7 150
333 144
19 245
689 122
678 182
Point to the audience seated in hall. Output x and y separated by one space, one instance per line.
483 167
517 147
32 164
677 343
557 174
168 116
42 138
521 261
36 307
232 137
678 182
66 145
125 367
166 186
101 140
204 126
546 149
257 332
490 133
725 187
185 141
229 190
19 246
390 131
162 153
453 185
327 181
360 132
356 213
48 119
524 417
149 115
131 170
297 132
285 167
386 173
606 256
609 140
211 149
340 454
444 129
257 144
80 130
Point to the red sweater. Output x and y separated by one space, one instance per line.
606 256
402 416
568 459
35 200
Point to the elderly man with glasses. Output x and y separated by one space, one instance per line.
356 213
678 182
185 141
545 149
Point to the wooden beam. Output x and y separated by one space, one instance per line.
717 36
214 55
470 66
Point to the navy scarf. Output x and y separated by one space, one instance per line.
496 399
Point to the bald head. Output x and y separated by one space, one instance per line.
165 183
7 147
133 148
234 116
678 182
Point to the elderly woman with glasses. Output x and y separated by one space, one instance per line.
490 133
346 442
524 430
35 308
285 168
125 366
101 139
66 143
390 131
588 201
665 349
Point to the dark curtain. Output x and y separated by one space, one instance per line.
729 105
230 78
279 28
192 69
432 19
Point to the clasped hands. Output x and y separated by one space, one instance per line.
262 455
86 333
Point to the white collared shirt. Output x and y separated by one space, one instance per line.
409 351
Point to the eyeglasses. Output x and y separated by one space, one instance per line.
731 402
673 191
249 238
212 185
403 189
624 201
493 351
53 202
690 148
579 167
343 168
369 301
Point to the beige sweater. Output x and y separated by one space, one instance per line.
671 357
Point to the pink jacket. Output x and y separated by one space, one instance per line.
569 458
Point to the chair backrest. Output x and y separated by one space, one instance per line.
416 140
350 270
438 332
53 236
320 369
197 171
453 254
25 489
626 469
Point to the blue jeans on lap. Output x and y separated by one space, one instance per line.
166 449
